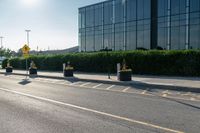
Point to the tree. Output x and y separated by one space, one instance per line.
5 52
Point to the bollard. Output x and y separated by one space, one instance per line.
118 69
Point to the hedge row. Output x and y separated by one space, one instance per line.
181 63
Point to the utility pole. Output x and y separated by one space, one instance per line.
27 31
1 37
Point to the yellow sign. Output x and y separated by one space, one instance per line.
25 49
26 55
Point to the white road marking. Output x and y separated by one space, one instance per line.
155 83
93 111
110 87
85 84
137 93
192 99
74 83
96 86
164 95
126 89
165 91
187 94
145 91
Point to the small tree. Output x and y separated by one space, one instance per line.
5 52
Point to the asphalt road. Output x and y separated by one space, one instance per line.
49 107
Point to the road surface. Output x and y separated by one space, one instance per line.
57 106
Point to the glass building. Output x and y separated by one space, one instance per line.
140 24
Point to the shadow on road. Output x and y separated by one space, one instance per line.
186 104
24 82
177 101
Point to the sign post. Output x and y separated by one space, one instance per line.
25 50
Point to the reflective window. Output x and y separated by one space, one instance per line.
98 14
178 6
143 34
82 18
194 5
119 36
195 30
162 7
90 16
143 9
89 39
162 32
131 35
82 40
108 37
98 38
131 10
119 11
108 12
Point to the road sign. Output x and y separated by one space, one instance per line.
25 49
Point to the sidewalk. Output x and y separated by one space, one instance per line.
178 83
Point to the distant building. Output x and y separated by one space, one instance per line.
63 51
136 24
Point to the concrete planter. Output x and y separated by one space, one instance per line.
125 75
68 73
9 69
32 71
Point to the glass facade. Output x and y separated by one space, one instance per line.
133 24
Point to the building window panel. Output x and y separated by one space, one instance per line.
131 10
98 14
131 35
119 11
194 5
90 16
108 12
119 36
89 39
108 37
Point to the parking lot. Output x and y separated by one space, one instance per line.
140 90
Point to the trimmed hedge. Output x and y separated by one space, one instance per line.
153 62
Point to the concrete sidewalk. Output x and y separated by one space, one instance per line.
164 82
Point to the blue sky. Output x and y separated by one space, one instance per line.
53 23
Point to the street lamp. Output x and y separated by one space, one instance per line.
1 49
1 37
27 32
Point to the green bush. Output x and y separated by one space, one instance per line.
4 63
153 62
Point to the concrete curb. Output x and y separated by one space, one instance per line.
132 83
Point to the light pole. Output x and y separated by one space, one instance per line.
1 37
27 32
